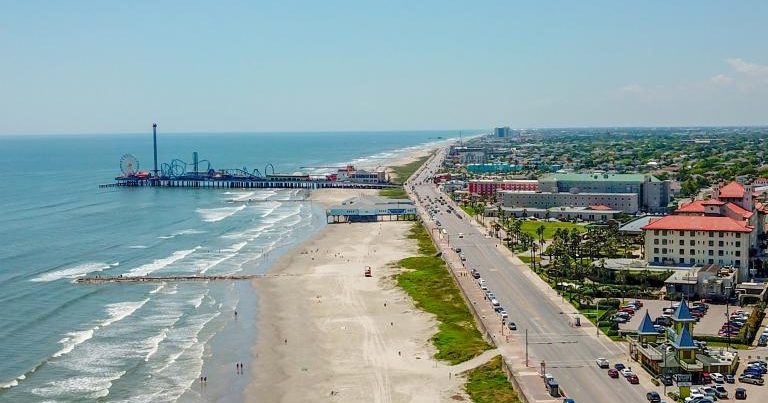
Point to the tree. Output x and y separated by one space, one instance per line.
540 233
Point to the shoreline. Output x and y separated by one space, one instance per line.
328 333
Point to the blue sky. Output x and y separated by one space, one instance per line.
116 66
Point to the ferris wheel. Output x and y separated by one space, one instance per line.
129 165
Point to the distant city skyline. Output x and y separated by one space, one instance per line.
92 67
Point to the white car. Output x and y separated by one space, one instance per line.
626 372
602 363
461 235
504 314
694 397
717 377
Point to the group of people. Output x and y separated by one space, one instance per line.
239 368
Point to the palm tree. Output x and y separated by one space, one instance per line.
540 233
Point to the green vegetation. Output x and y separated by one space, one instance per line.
471 210
488 384
401 173
530 227
430 285
527 259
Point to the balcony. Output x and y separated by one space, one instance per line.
695 367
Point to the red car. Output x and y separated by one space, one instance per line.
613 373
633 379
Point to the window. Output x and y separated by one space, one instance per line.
682 233
721 234
719 253
693 251
664 232
692 233
655 232
682 252
692 261
711 261
655 259
711 253
738 244
655 250
737 263
663 251
655 241
682 242
711 234
664 241
682 260
720 243
711 243
737 253
692 242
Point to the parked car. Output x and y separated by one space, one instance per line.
613 373
653 396
626 372
730 379
753 379
740 394
512 326
717 377
694 398
619 366
504 314
602 363
721 392
706 378
666 379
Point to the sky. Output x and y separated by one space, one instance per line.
200 66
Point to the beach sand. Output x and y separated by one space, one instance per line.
328 333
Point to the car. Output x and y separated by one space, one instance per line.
613 373
457 249
694 398
705 378
463 258
484 287
653 396
568 400
504 314
666 379
620 319
717 377
633 379
602 363
721 392
740 394
730 379
619 366
753 379
626 372
461 235
512 326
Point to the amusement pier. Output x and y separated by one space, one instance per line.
201 174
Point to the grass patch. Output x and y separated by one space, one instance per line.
550 227
735 346
430 285
470 210
527 258
488 384
401 173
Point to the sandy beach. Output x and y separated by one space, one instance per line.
328 333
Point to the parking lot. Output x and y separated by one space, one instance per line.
708 325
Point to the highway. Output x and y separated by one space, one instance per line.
569 352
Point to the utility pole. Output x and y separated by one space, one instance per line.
597 321
526 348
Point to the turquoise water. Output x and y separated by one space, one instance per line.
65 342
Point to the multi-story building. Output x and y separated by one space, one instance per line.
723 230
501 131
626 202
489 187
653 194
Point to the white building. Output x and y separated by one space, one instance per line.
626 202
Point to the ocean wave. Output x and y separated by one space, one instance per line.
219 213
232 252
90 387
72 272
159 264
154 343
138 247
116 312
156 290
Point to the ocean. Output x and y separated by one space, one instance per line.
67 342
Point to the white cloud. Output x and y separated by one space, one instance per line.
745 67
633 89
721 79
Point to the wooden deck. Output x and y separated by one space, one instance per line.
160 279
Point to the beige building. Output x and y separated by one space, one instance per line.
723 231
626 202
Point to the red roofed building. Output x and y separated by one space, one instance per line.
723 230
489 187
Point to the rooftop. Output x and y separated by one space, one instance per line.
733 189
697 223
599 177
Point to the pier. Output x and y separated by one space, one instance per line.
201 174
170 278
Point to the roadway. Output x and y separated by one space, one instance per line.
569 352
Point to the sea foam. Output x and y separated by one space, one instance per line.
72 272
158 264
218 214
